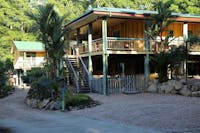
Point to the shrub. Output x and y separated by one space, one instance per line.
72 99
43 88
33 75
5 90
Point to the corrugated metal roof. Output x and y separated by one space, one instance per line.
128 11
124 10
29 46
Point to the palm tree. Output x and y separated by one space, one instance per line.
49 24
160 22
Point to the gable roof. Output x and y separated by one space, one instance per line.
95 13
29 46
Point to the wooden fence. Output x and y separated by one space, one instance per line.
121 84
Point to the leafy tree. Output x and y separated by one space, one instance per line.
14 25
50 26
160 22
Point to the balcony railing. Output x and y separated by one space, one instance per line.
194 47
133 44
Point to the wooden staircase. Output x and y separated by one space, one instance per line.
79 78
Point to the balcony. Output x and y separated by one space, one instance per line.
135 45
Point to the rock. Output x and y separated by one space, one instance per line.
48 106
185 91
57 106
28 102
177 85
34 103
43 103
170 89
196 86
152 88
196 94
182 81
52 105
155 81
162 88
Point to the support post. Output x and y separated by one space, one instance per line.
24 63
185 35
89 52
77 56
105 57
147 49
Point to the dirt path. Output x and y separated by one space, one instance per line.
19 118
138 113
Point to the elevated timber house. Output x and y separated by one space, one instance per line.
109 50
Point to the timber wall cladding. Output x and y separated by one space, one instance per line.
177 29
128 29
194 28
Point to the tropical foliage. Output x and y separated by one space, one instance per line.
49 24
5 69
159 23
164 60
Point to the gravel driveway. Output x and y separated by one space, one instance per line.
138 113
166 113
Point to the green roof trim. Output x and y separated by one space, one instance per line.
29 46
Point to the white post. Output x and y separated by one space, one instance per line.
89 52
105 56
185 36
24 63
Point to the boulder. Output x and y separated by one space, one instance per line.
196 86
177 85
185 91
182 81
52 105
152 88
34 103
43 103
48 106
28 102
196 94
57 106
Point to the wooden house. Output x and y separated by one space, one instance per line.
108 43
27 55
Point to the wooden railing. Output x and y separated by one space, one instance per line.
83 49
133 44
194 47
97 45
126 44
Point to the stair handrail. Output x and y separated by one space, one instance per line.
84 66
75 74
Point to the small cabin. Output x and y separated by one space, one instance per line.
26 55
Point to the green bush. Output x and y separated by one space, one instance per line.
5 70
43 88
33 75
5 90
72 99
